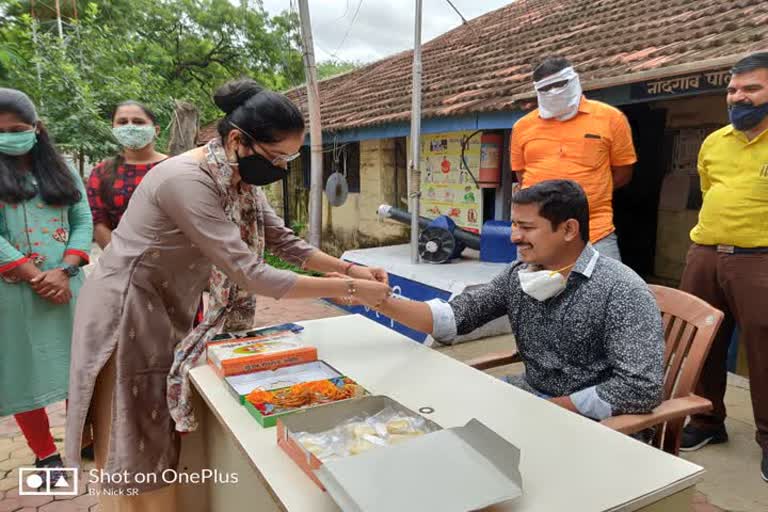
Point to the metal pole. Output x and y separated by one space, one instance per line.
315 131
58 20
37 56
414 181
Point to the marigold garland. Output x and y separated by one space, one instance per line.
303 394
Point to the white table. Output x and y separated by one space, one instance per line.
568 462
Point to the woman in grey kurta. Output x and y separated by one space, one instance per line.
140 300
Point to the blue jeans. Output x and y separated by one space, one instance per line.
608 246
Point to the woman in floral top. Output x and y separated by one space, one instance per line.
45 236
112 182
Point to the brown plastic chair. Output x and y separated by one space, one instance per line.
690 325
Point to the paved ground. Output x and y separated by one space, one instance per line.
732 480
14 452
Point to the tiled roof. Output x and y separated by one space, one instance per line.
485 65
478 68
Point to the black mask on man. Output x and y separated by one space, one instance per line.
257 170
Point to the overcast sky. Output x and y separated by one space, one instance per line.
381 27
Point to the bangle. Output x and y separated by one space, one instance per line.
351 290
348 268
376 307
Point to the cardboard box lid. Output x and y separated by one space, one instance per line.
226 351
281 377
456 469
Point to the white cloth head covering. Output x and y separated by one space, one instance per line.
561 103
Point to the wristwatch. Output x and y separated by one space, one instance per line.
70 270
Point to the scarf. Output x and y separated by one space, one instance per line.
561 103
229 308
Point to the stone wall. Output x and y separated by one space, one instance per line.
355 223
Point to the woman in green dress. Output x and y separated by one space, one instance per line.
45 236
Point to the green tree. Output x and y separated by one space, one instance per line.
154 51
330 68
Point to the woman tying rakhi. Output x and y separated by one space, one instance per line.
195 210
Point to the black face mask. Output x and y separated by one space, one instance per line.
257 170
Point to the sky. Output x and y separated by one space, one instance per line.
369 30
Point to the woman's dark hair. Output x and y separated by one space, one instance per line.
264 115
106 187
550 66
55 181
558 201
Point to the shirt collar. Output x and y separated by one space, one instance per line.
585 106
585 264
730 130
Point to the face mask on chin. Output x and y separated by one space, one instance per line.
563 102
543 284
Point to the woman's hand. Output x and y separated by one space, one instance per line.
371 293
369 273
368 292
23 273
52 285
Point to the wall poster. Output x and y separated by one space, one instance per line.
447 188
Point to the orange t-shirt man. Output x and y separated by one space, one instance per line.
590 148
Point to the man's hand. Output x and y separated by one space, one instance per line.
565 402
370 293
52 285
622 175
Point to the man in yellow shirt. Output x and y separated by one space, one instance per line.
727 264
571 137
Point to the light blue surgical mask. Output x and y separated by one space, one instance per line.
17 143
134 136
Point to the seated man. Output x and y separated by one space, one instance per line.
587 327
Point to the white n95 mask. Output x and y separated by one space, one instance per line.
542 284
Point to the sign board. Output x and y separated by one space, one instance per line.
709 81
402 288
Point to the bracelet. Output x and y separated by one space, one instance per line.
351 290
376 307
348 268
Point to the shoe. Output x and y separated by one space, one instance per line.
86 453
694 438
53 462
764 466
